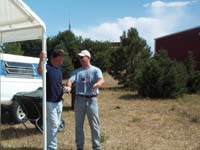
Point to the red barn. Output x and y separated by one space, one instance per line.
178 44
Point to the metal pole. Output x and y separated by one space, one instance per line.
44 49
1 53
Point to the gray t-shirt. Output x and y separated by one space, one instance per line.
84 79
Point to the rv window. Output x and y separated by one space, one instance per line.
18 64
19 69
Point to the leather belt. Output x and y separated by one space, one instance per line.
87 96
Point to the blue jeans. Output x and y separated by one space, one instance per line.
82 107
54 111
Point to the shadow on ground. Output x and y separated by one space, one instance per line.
13 133
112 88
136 96
20 148
133 96
67 108
5 118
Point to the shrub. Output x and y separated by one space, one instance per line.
160 77
193 81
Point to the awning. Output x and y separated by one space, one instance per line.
18 22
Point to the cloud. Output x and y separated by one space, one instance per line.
169 10
148 28
160 22
157 4
111 31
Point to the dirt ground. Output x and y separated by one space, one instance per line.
127 121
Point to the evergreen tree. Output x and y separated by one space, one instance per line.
32 48
160 77
193 80
190 64
132 53
13 48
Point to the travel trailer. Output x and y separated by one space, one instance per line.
17 74
20 23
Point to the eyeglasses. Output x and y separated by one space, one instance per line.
81 57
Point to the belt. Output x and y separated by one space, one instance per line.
86 96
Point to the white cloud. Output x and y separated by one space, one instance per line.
160 22
112 31
173 11
148 28
169 4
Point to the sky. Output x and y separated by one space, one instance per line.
105 20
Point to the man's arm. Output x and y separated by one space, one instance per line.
69 83
42 57
100 80
98 84
68 86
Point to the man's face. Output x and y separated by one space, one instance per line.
60 59
84 60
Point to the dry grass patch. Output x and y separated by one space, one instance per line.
128 122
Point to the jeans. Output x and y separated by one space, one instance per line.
54 111
82 107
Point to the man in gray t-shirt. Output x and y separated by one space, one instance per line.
87 80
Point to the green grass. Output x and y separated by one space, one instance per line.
104 138
136 119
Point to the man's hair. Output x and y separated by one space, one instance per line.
57 52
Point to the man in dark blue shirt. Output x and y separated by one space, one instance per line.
54 94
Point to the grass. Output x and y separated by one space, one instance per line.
104 138
136 119
127 122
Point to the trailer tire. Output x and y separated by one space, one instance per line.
17 115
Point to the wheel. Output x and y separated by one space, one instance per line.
17 114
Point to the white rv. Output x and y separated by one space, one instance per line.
17 74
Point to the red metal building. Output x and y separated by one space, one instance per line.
178 44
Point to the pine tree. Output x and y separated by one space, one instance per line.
132 53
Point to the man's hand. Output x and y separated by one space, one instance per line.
67 89
43 55
94 88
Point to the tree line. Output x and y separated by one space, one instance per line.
131 63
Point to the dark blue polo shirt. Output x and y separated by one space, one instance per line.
54 83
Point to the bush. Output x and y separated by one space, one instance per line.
160 77
193 83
